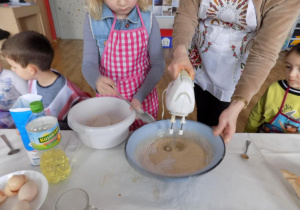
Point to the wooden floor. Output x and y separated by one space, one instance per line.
68 57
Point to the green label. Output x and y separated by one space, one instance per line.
50 136
46 139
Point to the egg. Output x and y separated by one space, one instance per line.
8 192
16 182
3 196
28 191
22 205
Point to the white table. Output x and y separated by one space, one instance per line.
235 184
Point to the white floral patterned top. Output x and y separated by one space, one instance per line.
221 44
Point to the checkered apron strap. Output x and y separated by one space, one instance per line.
125 60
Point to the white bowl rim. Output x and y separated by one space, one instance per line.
81 128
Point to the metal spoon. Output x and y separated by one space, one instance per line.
245 156
12 150
144 116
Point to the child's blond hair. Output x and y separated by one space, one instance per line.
95 7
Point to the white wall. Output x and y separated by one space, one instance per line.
68 17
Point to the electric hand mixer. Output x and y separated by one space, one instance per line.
180 99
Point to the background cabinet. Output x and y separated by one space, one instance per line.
294 36
15 19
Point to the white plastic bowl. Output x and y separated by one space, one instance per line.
101 137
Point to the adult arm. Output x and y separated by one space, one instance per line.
185 23
157 62
276 24
91 58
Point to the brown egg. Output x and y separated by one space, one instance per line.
8 192
3 196
28 191
25 178
22 205
16 182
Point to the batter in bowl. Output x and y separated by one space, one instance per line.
173 156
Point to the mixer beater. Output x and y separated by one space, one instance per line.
180 99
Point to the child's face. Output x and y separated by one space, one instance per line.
121 8
292 63
24 73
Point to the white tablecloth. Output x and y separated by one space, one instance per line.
235 184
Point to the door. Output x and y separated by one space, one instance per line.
68 18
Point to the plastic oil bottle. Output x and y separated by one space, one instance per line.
44 134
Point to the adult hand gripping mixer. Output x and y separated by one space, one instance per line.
180 99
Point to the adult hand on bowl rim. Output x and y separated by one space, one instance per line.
227 121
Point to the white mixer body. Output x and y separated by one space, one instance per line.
180 97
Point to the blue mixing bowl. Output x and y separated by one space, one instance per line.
138 142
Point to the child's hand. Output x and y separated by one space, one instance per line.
103 86
136 104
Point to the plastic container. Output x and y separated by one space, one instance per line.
101 137
20 113
44 134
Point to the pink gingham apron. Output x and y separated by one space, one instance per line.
125 60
